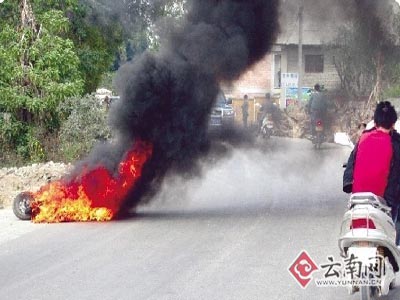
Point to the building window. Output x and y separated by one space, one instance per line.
314 64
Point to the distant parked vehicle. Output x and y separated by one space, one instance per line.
222 113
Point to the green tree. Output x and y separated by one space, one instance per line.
51 50
139 20
161 11
95 31
366 52
353 64
97 38
39 69
84 127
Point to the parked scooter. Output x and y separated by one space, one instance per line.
367 237
267 126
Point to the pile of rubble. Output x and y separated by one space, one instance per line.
28 178
347 118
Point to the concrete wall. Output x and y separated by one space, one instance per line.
255 82
259 80
328 78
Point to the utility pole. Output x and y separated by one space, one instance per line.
300 52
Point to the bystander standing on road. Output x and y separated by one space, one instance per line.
245 110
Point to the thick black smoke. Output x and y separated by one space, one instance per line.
375 18
166 97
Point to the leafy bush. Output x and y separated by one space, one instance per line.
20 142
39 69
392 92
85 125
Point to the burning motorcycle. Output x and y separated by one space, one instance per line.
367 241
94 195
267 126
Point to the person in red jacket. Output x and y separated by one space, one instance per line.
374 163
374 153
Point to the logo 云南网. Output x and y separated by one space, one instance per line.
302 269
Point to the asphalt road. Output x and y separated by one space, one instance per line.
230 234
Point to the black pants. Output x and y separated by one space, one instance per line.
245 120
396 220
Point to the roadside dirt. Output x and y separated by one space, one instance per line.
28 178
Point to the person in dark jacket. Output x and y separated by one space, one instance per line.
374 163
317 107
269 108
245 110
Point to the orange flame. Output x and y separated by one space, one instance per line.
96 196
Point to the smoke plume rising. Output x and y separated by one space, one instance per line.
166 97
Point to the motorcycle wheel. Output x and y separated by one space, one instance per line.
264 133
21 206
318 141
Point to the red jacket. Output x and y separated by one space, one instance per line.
372 162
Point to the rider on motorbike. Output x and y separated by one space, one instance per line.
374 163
316 107
269 108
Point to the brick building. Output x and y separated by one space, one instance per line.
255 82
322 21
317 64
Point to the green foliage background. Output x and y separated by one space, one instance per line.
85 126
45 71
365 48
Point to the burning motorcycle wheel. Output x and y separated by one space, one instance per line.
21 206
